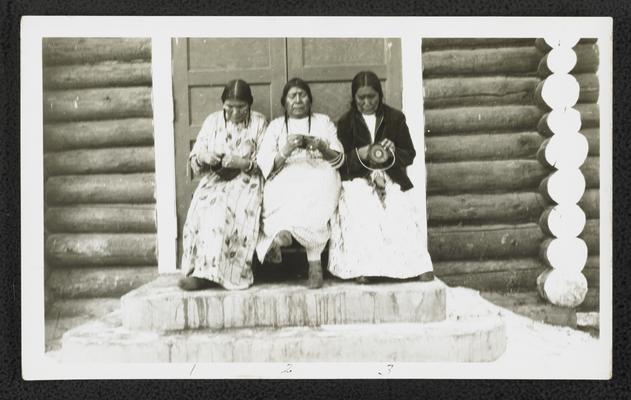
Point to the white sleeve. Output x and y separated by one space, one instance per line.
204 140
268 149
331 136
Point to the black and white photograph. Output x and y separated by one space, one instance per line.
256 197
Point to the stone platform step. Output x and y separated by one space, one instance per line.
161 306
480 338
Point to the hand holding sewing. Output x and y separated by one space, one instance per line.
362 152
388 145
209 157
317 143
234 161
293 142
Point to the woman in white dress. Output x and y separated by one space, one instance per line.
222 224
299 156
376 232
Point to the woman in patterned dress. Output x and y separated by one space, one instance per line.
376 231
299 156
222 224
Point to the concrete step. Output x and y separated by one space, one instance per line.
480 338
162 306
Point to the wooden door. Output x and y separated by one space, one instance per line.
329 65
202 66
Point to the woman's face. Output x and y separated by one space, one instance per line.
236 110
367 100
297 103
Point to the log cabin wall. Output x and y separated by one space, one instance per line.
590 203
481 140
100 222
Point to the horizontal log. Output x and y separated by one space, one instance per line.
592 271
472 119
586 61
478 91
444 43
91 219
593 138
590 115
504 281
497 146
592 300
590 118
122 188
564 255
507 60
591 236
466 267
541 44
588 91
101 103
560 289
590 203
586 58
98 282
484 242
94 161
484 176
591 171
96 134
469 209
98 75
101 249
92 50
590 88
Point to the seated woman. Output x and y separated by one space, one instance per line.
222 224
375 232
299 156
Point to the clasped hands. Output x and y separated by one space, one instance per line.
225 160
296 141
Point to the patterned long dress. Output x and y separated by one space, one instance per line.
222 224
301 197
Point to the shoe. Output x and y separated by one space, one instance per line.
426 276
362 280
191 283
316 280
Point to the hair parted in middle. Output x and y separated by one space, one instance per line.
237 89
298 83
366 78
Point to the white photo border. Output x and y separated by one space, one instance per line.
36 365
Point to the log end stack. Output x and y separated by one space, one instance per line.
100 222
482 174
485 129
568 73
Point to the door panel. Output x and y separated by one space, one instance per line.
329 65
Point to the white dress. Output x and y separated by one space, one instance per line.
377 238
222 223
302 196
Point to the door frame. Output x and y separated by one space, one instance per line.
164 138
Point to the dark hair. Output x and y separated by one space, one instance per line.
299 83
365 78
237 89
